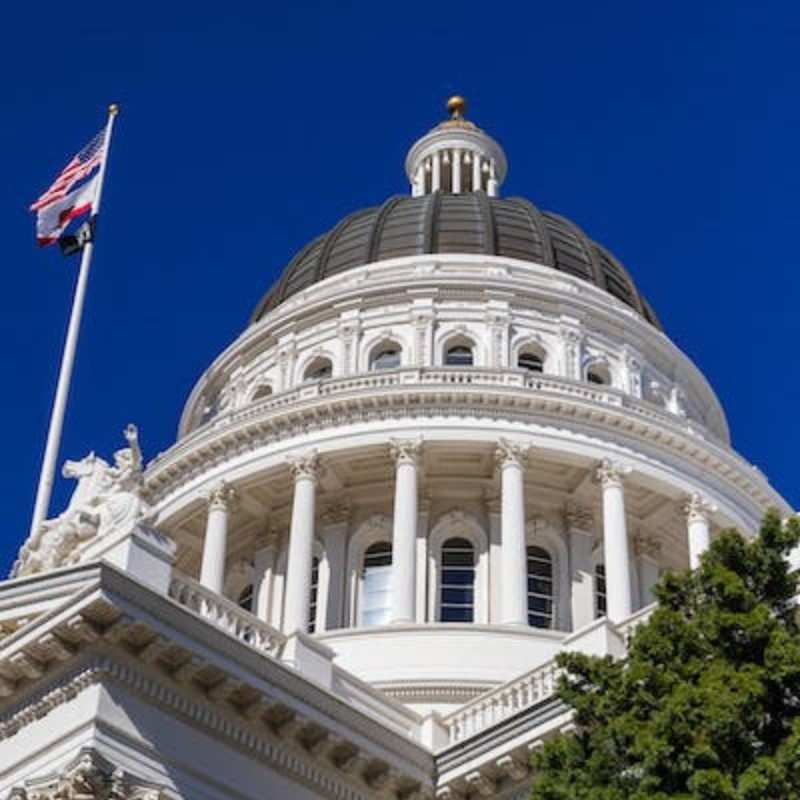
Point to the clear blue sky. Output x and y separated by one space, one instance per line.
668 131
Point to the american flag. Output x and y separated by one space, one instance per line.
79 167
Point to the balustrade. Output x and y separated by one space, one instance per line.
225 614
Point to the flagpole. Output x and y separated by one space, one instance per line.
47 475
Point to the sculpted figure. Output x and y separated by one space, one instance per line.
106 500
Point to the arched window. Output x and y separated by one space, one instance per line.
385 356
376 576
265 390
531 361
318 369
600 591
312 606
459 355
245 600
540 588
457 593
598 374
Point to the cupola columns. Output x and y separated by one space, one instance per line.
440 161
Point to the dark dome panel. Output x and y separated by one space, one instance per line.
469 223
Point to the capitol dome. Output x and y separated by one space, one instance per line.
444 222
453 443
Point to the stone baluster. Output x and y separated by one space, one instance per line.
512 458
305 471
405 454
616 547
215 544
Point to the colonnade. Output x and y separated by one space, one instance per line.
512 459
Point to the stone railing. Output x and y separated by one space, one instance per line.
455 376
501 703
541 682
226 615
627 627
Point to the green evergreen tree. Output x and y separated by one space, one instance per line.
706 706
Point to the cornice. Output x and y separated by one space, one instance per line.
426 394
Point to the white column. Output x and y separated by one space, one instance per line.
476 172
456 168
419 182
491 186
215 545
336 522
493 511
263 574
305 470
404 535
436 175
511 459
423 517
580 532
698 514
616 548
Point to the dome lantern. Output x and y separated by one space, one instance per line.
456 157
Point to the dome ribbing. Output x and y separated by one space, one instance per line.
469 223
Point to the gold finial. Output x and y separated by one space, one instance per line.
456 106
113 109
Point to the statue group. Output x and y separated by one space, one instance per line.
107 500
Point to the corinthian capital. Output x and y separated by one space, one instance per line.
698 509
221 496
405 451
510 453
305 466
610 473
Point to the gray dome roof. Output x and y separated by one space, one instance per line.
456 223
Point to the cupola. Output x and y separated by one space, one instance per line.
456 157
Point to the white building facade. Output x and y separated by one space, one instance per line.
453 441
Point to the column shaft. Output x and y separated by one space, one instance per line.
514 588
616 547
698 510
215 545
404 535
301 543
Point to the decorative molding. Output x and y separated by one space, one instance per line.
305 467
89 776
698 508
509 453
220 497
578 517
610 474
406 451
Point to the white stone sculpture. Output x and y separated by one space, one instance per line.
107 500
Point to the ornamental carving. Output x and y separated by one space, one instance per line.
698 509
405 451
510 453
337 513
107 501
610 474
88 777
646 545
577 517
220 497
305 466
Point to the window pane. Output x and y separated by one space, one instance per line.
460 355
376 576
456 594
456 614
540 587
387 359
